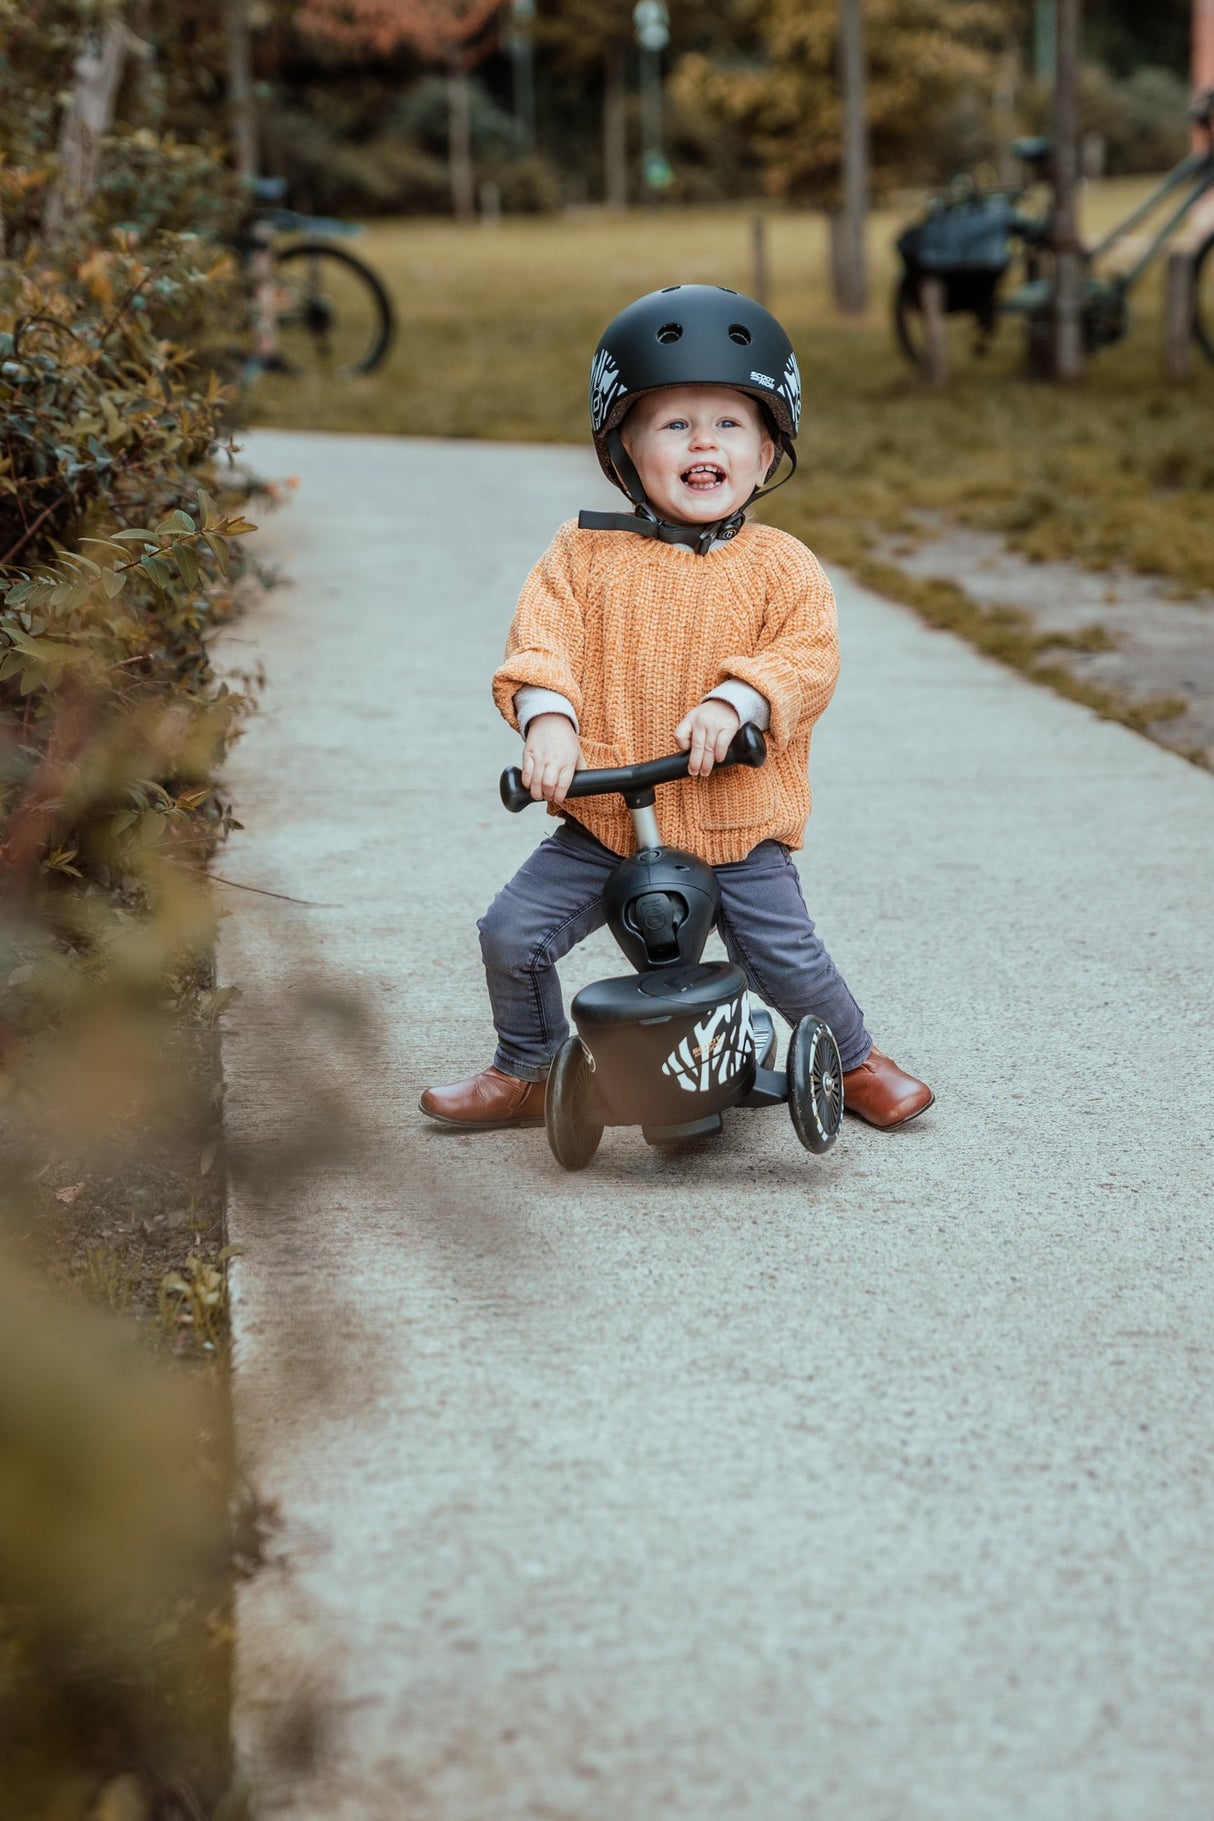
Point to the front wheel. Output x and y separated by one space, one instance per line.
815 1084
573 1130
332 314
1203 298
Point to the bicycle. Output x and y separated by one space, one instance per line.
316 307
966 241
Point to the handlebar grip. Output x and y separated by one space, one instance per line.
748 747
515 794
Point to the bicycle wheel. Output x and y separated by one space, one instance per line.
968 331
333 314
1203 298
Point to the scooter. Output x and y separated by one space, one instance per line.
673 1046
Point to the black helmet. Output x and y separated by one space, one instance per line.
692 335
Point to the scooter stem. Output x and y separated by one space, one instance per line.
645 822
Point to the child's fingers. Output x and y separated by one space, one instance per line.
563 780
701 755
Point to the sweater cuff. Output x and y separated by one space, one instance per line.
751 704
531 700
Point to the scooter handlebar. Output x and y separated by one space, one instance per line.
748 747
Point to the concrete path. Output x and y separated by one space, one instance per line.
734 1483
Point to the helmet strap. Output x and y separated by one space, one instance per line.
790 450
645 521
625 468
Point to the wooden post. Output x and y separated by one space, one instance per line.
1068 270
1178 316
758 252
931 302
490 196
459 141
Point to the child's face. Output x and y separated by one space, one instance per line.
700 451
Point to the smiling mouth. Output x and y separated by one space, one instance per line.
703 476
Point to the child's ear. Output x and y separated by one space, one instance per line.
767 455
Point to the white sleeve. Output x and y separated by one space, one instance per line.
752 705
530 700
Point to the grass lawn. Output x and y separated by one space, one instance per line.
497 325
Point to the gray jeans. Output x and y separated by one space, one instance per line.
554 902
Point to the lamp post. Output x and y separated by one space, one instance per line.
652 24
522 64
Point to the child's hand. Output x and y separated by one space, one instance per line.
706 733
551 755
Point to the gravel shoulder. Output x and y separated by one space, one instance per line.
728 1483
1149 644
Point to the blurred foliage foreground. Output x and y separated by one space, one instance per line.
118 515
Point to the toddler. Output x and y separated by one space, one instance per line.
677 621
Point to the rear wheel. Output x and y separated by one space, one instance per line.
815 1084
1203 298
332 314
573 1130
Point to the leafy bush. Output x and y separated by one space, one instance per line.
118 565
111 720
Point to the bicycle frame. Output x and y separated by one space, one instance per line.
1198 170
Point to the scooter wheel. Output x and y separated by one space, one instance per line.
815 1084
573 1132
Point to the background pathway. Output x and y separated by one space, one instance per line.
737 1483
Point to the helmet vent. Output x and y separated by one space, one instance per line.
740 333
670 331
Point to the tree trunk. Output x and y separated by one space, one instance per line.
87 118
241 116
1007 70
459 143
851 266
615 130
1068 269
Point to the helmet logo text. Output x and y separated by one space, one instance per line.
605 387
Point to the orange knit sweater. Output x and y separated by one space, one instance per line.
634 633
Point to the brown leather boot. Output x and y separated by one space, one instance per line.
486 1102
883 1094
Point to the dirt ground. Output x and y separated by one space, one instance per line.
1154 646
